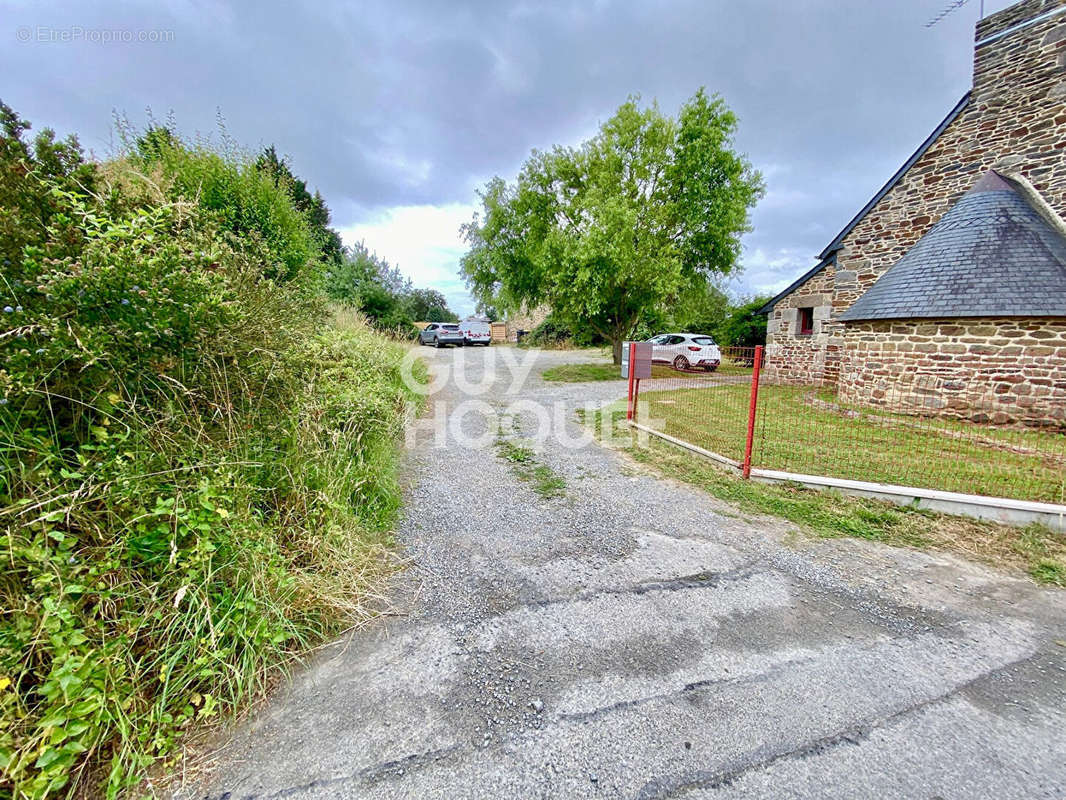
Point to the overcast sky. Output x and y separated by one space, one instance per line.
398 111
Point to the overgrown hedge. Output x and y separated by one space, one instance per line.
196 471
552 333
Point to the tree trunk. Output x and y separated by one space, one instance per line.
616 346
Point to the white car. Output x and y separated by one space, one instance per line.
475 332
685 351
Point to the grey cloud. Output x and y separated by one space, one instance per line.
388 103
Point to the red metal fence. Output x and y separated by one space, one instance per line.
872 422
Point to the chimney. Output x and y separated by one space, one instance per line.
1020 55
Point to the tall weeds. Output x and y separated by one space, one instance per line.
197 471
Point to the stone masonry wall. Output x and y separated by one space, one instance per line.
796 357
527 320
1015 123
1001 371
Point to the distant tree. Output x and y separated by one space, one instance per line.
489 310
379 303
347 281
312 205
382 292
429 305
743 326
155 141
621 227
700 309
391 278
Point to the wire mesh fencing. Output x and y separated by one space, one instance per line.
704 407
870 417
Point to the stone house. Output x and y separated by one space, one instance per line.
946 293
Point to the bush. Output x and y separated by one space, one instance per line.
744 326
197 473
244 199
553 333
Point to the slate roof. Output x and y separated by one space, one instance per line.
993 254
827 256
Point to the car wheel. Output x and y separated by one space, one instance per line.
681 364
436 342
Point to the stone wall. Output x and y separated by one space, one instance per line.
1001 371
1015 123
795 357
526 320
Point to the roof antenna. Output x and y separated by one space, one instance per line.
954 6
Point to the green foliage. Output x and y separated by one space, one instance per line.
347 281
620 228
369 284
743 326
554 333
429 305
1050 571
489 311
25 215
313 206
700 309
241 198
197 475
544 480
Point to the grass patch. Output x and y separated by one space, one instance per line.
803 430
1035 550
581 373
584 373
1047 570
545 481
514 453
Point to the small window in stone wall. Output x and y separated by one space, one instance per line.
805 321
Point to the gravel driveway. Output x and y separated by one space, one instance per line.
635 638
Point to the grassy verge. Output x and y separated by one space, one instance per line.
1035 550
212 579
801 430
197 471
580 373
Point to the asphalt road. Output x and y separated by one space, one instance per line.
635 638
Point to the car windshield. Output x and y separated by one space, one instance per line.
450 327
703 340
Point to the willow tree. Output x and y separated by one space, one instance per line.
620 227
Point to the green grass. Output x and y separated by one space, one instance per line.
802 430
201 583
545 481
1035 550
516 454
1048 570
580 373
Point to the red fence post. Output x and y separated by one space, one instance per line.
632 359
752 405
